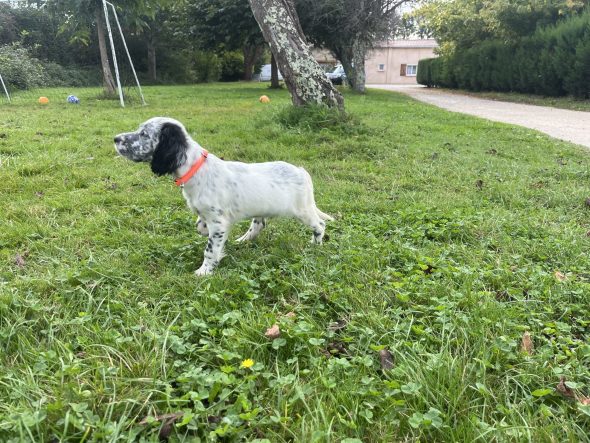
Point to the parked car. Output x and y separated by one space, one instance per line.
264 75
337 76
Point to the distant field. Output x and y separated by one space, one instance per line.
454 237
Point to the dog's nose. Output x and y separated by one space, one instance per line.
118 139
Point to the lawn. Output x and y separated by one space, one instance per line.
454 238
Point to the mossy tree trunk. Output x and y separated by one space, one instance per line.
107 75
359 52
303 76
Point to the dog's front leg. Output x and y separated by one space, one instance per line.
218 233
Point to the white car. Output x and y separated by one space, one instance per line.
337 76
264 75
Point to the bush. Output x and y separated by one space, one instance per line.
19 70
553 61
22 71
58 75
319 117
232 66
207 67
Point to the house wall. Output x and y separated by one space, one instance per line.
393 58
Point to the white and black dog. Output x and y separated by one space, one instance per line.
223 192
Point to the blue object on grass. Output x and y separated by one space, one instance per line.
73 99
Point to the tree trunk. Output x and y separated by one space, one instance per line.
304 77
358 67
345 58
107 75
251 55
274 73
151 56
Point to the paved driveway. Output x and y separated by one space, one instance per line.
572 126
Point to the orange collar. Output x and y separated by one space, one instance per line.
193 170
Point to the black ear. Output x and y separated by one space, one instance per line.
170 153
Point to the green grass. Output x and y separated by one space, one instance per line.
449 235
530 99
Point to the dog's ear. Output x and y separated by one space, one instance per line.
170 152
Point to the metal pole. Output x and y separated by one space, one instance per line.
106 15
127 51
5 90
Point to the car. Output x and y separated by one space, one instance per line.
264 75
337 76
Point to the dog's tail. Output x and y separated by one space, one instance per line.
323 215
320 214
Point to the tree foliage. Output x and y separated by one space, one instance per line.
225 26
532 64
460 24
349 28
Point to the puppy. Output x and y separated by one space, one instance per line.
223 192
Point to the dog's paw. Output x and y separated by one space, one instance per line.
203 271
243 238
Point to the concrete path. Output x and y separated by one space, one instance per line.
572 126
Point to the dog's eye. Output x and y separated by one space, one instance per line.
143 133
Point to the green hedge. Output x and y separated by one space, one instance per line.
554 61
20 70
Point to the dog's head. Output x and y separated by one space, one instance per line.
161 141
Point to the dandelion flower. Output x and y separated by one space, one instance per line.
248 363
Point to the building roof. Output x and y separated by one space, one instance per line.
414 43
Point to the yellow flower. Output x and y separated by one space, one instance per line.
248 363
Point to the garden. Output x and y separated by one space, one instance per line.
449 301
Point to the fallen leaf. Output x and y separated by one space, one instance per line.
39 194
163 417
560 276
587 202
527 345
479 184
491 151
273 332
290 314
337 325
386 359
335 348
19 261
564 390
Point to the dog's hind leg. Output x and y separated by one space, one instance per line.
257 225
313 220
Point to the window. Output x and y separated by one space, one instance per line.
381 67
411 70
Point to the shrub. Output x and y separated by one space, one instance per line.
19 69
232 66
553 61
318 117
22 71
207 67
